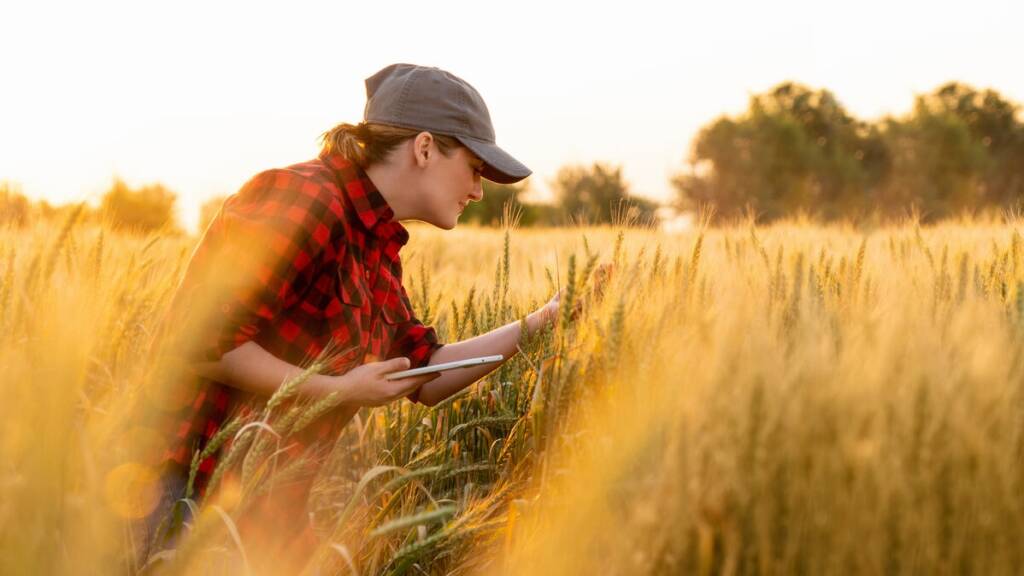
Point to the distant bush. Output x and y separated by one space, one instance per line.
598 194
144 209
14 206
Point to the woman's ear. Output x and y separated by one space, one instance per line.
421 148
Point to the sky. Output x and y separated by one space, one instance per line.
200 96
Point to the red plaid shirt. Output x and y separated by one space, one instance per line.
311 254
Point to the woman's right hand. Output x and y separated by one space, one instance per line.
366 385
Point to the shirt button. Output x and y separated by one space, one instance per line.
367 274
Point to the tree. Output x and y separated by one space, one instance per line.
958 149
148 208
794 149
596 194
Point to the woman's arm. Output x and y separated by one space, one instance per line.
251 368
503 340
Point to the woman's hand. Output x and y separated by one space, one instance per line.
366 385
549 312
540 317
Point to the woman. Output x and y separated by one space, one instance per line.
306 258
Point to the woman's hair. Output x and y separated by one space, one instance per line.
368 143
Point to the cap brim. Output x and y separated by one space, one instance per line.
499 166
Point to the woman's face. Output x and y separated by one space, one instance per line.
449 184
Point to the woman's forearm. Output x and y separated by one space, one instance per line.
503 340
252 369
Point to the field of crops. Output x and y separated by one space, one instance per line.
787 399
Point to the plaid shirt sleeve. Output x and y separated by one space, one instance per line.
259 254
414 341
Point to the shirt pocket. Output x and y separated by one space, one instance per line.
351 283
347 315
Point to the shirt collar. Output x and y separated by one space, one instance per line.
370 205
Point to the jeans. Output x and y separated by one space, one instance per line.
161 529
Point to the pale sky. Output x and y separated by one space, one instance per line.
202 95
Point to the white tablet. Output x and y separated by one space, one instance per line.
445 366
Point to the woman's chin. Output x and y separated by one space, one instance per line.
442 222
447 224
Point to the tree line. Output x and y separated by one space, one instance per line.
798 150
593 194
146 208
794 150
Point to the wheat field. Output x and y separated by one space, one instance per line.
739 399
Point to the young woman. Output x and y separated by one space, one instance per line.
306 258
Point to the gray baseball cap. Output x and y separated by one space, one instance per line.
431 99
